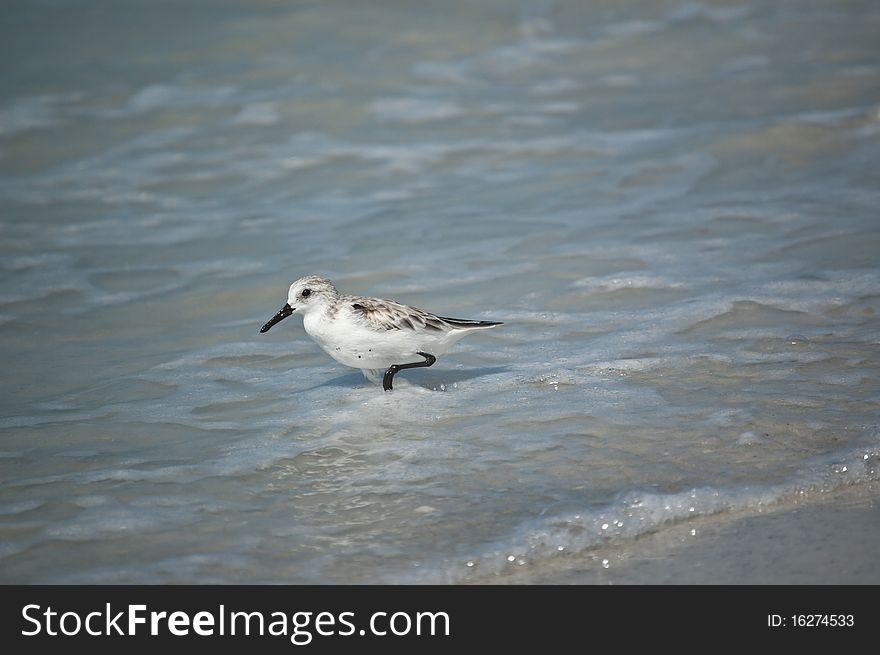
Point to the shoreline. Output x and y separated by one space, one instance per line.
828 538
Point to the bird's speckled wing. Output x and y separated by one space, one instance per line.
379 314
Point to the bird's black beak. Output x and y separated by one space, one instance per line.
283 313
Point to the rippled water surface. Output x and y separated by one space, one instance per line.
673 206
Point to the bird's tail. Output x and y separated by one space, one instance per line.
464 324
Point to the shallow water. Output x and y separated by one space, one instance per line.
672 206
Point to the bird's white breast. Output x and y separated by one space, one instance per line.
351 343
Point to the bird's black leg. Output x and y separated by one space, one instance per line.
394 368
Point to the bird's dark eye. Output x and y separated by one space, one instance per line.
306 293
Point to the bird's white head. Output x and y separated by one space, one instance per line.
306 295
310 293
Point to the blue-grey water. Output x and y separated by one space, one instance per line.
673 206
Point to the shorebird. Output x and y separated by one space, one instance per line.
372 334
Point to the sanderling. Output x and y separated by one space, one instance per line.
371 334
